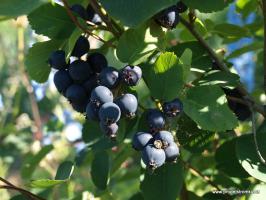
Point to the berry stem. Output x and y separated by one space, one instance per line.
221 64
196 172
106 19
76 22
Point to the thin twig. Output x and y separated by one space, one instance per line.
254 131
221 64
196 172
76 22
105 18
22 191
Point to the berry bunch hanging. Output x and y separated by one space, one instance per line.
157 145
89 84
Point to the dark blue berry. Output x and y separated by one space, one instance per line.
79 71
80 11
171 152
168 18
62 81
92 112
181 7
93 16
101 95
128 104
57 60
109 130
141 140
131 75
109 113
165 137
155 120
153 157
172 108
97 62
90 84
81 47
79 107
76 94
109 77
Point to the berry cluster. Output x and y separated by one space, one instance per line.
87 85
169 17
158 145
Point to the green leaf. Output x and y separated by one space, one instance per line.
30 163
208 5
64 170
16 8
221 78
227 161
134 12
186 59
45 183
165 79
248 157
137 196
191 137
201 62
37 59
91 132
207 106
52 21
230 30
165 183
136 45
100 170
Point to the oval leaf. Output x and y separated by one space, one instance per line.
37 59
100 170
165 183
207 106
165 79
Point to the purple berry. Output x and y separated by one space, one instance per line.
109 130
101 95
172 108
153 157
57 60
168 17
81 47
155 120
171 152
109 77
92 112
165 137
128 104
76 94
131 75
97 62
79 71
109 113
141 140
62 81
